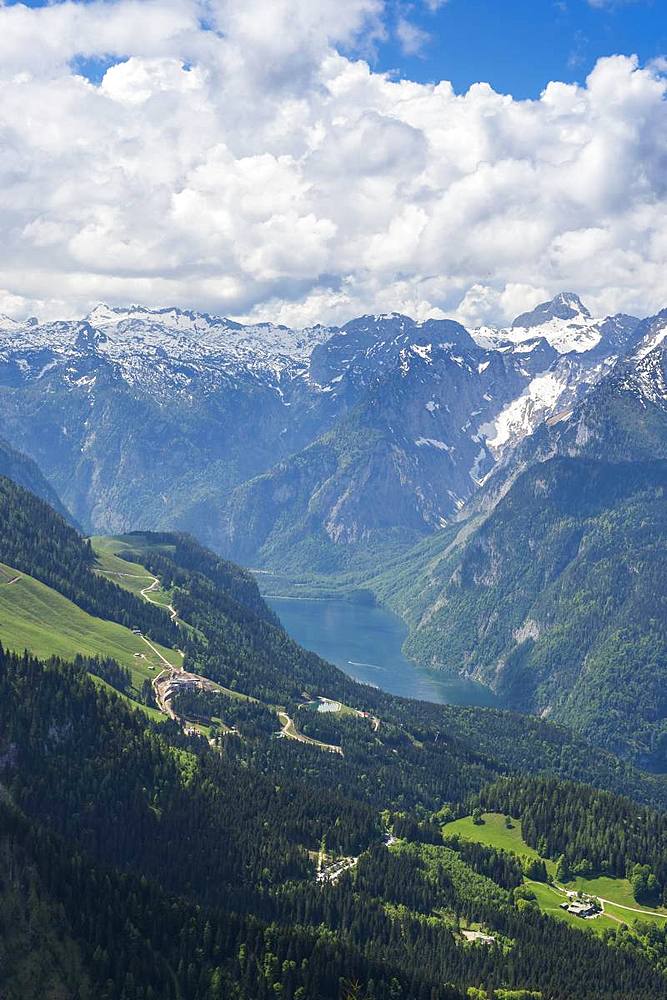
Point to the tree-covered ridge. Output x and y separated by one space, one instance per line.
248 652
558 599
237 642
174 555
39 542
235 830
445 752
23 470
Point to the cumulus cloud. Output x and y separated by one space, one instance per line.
246 159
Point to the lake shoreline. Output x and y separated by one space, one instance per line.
365 641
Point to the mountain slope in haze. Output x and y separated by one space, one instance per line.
24 471
554 593
399 464
170 419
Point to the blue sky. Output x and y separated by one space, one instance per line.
519 45
515 45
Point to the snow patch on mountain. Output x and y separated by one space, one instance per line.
652 340
423 351
646 378
521 416
432 443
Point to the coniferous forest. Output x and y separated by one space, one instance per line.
142 860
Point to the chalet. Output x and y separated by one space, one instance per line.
581 907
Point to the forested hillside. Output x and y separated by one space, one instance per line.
163 859
553 590
558 601
24 471
38 542
180 818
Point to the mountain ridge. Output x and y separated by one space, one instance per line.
171 418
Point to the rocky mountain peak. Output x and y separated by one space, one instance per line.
564 306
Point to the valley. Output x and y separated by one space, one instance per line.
333 500
275 758
355 719
447 474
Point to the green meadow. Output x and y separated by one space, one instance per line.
37 618
130 576
617 891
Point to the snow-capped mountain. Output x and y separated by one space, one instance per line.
585 350
564 323
168 417
159 348
621 419
651 333
554 590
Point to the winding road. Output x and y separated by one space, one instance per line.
151 589
290 731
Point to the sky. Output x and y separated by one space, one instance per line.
307 161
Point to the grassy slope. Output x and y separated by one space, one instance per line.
494 833
128 575
35 617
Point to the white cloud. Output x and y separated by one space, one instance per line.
249 167
412 38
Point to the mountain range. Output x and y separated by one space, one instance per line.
277 445
193 806
510 480
553 591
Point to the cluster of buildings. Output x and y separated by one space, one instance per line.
581 906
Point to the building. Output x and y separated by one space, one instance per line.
581 907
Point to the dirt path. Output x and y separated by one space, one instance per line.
290 731
159 654
633 909
151 589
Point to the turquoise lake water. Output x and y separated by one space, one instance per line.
365 642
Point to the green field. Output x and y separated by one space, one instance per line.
617 891
494 833
549 900
128 575
37 618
